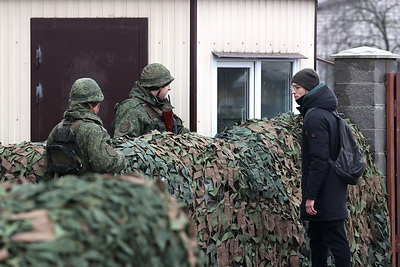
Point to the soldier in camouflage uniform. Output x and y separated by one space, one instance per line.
148 107
93 140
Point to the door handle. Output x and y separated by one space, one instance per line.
39 92
38 56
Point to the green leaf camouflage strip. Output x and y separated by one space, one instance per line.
94 221
242 191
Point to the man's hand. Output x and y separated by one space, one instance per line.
310 207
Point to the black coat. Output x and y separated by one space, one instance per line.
319 142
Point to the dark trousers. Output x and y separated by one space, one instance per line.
328 235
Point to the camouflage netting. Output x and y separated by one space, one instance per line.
24 159
242 189
94 221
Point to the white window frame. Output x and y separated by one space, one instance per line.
254 66
231 64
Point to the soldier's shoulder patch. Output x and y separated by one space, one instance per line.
111 151
124 127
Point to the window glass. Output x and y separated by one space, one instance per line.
251 89
275 88
233 96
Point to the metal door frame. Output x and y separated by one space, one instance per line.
393 164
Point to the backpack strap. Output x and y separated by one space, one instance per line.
74 127
75 124
335 112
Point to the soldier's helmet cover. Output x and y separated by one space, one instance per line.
155 75
85 90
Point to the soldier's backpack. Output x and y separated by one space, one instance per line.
349 164
63 153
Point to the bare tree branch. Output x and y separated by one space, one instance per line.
348 24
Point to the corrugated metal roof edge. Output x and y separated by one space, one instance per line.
258 55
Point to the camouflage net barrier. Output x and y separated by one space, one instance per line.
368 212
21 160
94 221
242 190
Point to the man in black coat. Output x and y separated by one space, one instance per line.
324 195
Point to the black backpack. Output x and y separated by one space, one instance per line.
63 153
349 164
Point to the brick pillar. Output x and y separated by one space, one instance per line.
359 75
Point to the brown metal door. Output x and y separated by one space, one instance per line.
112 51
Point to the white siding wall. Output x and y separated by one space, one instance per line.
169 22
223 25
251 26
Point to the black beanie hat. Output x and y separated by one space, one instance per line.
306 78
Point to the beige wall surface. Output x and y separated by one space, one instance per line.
251 26
256 26
168 44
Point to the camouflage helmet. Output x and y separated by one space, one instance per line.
155 75
85 90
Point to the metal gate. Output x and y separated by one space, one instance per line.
393 163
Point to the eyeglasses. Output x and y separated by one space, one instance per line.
296 87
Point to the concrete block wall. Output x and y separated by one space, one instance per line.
359 79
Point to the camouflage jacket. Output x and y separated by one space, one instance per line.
94 142
142 113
